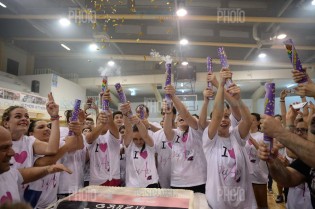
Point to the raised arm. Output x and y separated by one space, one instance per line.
218 108
303 149
98 129
168 122
142 130
286 176
52 146
34 173
204 109
182 110
110 121
283 108
233 104
246 122
125 108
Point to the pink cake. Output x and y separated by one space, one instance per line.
93 197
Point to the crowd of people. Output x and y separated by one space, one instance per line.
224 157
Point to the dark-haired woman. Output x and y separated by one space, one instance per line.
140 153
259 177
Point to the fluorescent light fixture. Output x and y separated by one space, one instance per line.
111 63
64 22
183 41
64 46
181 12
3 5
184 63
93 47
183 90
313 2
132 91
281 36
262 55
291 85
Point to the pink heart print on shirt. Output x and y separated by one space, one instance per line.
103 147
20 158
250 142
7 198
144 154
185 137
170 144
231 153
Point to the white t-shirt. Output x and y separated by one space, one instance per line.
9 189
259 167
69 183
299 197
44 190
188 160
23 157
122 167
104 159
140 167
163 148
228 184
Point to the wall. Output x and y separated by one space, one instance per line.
14 53
44 82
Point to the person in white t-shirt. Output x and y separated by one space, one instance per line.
259 177
140 153
104 148
43 192
163 149
228 167
11 178
188 160
16 120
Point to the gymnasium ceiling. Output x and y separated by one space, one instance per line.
128 31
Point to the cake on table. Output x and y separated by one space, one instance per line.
93 197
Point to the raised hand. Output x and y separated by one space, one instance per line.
305 89
51 107
283 94
125 108
169 89
297 75
75 127
106 95
166 109
213 79
207 93
225 74
270 126
135 120
235 91
264 154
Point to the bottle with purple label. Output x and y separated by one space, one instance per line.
168 80
269 108
224 64
210 70
75 113
294 58
105 102
122 97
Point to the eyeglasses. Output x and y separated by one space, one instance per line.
301 130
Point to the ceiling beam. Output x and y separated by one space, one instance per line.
247 75
160 17
141 41
65 55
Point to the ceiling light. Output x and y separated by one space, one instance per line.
291 85
181 84
181 12
281 36
93 47
132 91
313 2
262 55
64 22
184 63
111 63
183 90
3 5
183 42
64 46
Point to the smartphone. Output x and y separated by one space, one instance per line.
299 106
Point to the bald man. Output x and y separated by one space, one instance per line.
10 178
